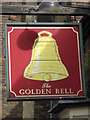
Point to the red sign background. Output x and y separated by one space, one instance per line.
19 44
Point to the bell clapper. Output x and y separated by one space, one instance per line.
47 77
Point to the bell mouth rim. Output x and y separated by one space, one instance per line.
60 76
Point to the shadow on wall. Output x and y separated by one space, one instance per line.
41 110
16 113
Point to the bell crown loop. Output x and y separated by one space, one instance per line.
44 39
46 32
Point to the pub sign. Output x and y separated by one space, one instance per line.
44 61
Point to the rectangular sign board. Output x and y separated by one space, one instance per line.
44 61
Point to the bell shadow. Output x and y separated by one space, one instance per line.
26 39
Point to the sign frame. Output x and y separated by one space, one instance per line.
43 25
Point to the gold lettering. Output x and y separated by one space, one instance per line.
57 91
38 91
21 91
48 91
27 91
71 91
43 91
32 91
62 90
46 85
66 92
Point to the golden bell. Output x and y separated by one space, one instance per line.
45 64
